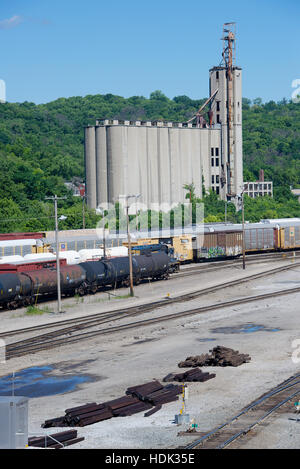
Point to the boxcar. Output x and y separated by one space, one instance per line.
218 244
289 237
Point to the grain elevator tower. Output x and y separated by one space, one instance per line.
227 112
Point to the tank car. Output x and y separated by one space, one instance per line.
152 266
95 276
10 289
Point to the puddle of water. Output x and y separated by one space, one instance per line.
243 329
36 382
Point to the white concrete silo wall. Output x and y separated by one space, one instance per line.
101 165
152 160
141 181
152 166
185 148
238 138
163 175
115 163
90 166
196 160
204 149
175 168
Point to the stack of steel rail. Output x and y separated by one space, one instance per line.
56 440
155 393
220 356
191 375
137 399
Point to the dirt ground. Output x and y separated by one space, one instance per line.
264 329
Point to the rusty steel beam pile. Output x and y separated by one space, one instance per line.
56 440
194 375
146 398
219 356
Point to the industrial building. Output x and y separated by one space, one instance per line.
156 159
259 188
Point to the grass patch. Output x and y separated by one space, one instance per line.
120 297
33 310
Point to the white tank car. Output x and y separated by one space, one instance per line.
72 257
118 251
41 256
11 259
90 254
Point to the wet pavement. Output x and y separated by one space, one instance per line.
37 382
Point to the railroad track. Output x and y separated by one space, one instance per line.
212 265
90 320
250 417
72 334
199 268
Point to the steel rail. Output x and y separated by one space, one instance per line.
273 392
21 348
88 321
197 268
245 431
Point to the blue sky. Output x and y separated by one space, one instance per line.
52 49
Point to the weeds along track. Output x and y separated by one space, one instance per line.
240 425
73 333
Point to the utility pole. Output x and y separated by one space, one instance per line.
104 242
129 251
127 197
243 222
55 199
83 212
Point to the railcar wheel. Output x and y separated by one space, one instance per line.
93 289
126 282
81 291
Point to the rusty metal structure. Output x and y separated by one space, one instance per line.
227 112
229 34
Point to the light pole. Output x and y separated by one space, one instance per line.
83 212
127 197
243 224
55 199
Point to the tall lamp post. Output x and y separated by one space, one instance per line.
55 199
243 225
83 211
127 197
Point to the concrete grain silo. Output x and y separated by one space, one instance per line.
156 159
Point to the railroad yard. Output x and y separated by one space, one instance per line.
122 349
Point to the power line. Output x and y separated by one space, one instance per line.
24 219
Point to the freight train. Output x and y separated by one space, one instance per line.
22 288
225 240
